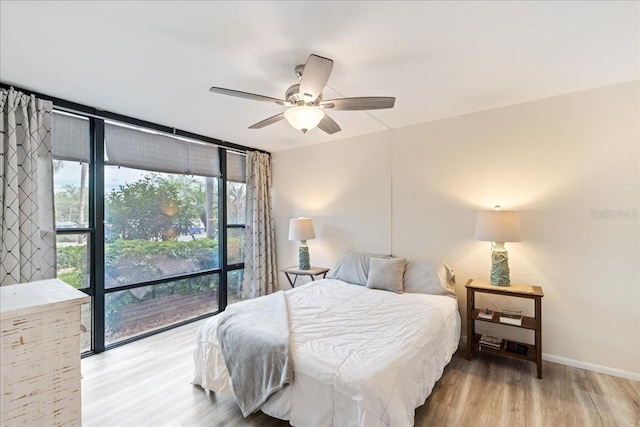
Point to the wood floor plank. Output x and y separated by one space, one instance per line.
147 383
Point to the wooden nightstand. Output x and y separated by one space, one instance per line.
295 271
534 352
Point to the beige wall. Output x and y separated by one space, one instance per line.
344 186
415 192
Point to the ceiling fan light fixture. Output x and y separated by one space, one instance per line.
304 118
306 101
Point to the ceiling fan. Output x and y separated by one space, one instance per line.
305 99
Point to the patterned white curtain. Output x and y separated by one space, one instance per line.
27 234
260 275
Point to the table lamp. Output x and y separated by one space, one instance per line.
302 229
498 226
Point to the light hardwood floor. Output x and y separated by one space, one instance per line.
147 383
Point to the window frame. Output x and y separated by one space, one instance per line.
96 289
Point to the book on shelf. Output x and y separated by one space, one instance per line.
485 314
511 317
485 346
490 342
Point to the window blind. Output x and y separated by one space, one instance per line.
139 149
236 171
69 137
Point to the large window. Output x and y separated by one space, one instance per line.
158 226
163 252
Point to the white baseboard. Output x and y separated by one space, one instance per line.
582 365
591 367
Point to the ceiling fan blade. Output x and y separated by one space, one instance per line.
314 77
248 95
328 125
362 103
266 122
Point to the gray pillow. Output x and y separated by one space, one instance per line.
429 277
353 267
386 274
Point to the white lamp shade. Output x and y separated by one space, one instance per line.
498 226
301 229
304 118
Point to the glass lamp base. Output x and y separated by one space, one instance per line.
500 268
303 258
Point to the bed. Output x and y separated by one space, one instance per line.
361 356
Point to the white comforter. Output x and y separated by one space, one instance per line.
361 357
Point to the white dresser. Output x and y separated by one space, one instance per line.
40 354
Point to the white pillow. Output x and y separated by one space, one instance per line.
429 277
353 267
386 274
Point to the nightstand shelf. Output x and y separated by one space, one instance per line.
531 349
534 351
527 322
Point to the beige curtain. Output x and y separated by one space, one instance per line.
260 275
27 234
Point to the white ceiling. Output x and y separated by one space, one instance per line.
156 60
